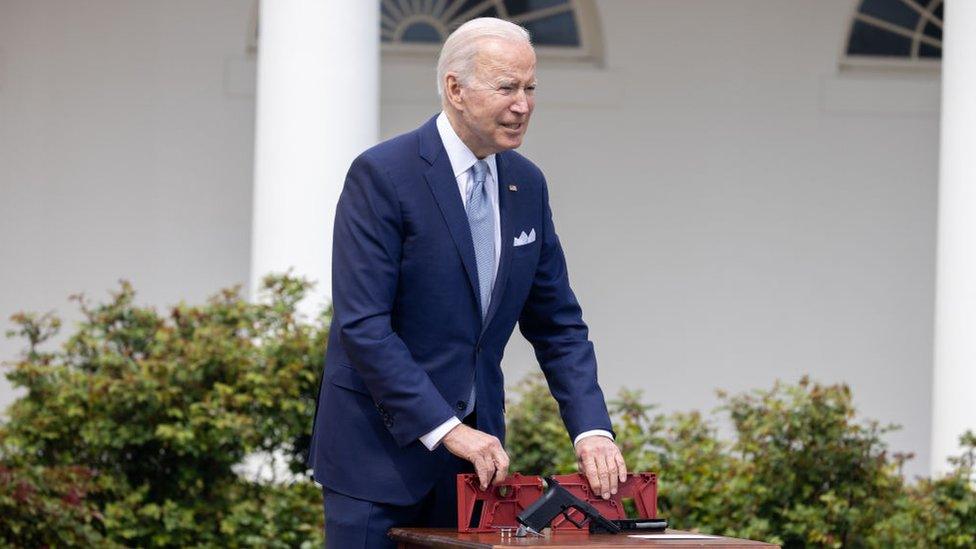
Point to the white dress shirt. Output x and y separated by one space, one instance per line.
462 159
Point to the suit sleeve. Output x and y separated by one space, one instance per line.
366 252
552 321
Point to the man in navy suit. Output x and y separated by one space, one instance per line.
443 241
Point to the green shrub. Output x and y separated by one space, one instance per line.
800 470
536 440
129 434
48 506
161 408
809 474
936 513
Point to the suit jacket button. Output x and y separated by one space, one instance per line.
461 405
387 421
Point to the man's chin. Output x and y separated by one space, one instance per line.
509 143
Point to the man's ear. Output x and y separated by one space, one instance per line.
452 91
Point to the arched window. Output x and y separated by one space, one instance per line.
563 28
906 33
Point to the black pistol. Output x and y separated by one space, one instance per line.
558 501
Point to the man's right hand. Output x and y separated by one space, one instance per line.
484 451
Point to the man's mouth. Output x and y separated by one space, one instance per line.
514 126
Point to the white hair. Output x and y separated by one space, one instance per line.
462 46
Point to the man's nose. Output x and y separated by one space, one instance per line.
521 103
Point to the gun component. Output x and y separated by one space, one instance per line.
557 501
499 506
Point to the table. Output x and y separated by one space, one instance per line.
411 538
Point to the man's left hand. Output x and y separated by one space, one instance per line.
600 460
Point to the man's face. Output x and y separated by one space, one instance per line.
498 101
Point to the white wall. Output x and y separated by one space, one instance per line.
733 209
126 151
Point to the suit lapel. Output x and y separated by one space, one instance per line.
443 185
506 205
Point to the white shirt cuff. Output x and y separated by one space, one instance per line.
433 439
594 432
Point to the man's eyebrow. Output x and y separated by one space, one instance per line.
510 81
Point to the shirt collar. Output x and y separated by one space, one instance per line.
460 155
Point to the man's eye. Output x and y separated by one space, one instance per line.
506 89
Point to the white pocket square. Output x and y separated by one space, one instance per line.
523 239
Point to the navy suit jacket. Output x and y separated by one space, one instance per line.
407 340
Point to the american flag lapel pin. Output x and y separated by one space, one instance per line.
513 188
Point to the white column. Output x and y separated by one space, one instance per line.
317 108
954 379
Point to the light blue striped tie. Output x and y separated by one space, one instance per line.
482 231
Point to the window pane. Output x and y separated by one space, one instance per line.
932 30
485 11
925 50
892 11
426 22
422 32
558 30
869 40
467 5
518 7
